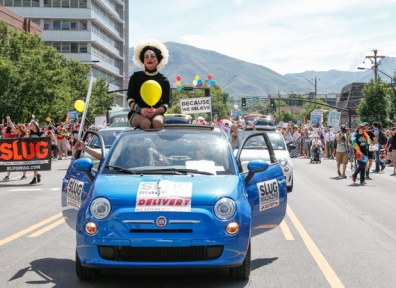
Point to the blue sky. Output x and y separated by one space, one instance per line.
287 36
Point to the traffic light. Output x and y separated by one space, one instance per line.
243 102
272 103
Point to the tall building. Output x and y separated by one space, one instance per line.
87 30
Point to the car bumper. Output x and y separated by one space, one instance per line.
120 244
217 254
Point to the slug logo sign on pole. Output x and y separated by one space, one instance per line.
26 154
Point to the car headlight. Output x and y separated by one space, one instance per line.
225 208
100 208
282 162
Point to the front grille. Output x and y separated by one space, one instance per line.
160 254
161 231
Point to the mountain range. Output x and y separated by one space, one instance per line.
241 78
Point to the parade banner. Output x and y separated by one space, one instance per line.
334 119
72 118
25 154
196 105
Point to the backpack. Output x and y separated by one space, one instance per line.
382 138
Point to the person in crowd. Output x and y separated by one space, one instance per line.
1 130
360 141
316 142
150 55
342 151
306 137
388 148
18 131
61 135
371 155
378 161
393 134
227 130
35 132
329 140
234 134
51 133
292 136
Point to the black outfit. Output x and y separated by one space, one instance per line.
362 142
135 83
371 136
36 134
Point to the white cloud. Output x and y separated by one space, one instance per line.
286 36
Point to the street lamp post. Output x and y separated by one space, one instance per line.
391 79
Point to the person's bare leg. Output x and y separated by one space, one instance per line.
140 121
158 122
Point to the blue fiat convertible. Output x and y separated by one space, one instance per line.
171 198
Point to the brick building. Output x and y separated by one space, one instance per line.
19 22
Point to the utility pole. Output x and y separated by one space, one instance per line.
375 62
279 96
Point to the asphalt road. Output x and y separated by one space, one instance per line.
335 234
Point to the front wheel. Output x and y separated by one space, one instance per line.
242 272
85 273
290 188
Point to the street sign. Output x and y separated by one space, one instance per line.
255 98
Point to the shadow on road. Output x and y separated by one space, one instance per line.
260 262
61 273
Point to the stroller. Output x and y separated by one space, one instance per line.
315 154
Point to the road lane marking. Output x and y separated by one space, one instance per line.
328 272
286 231
29 229
45 229
34 189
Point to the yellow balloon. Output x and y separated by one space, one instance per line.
178 83
197 77
79 105
151 92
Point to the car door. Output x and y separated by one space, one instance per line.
267 190
76 185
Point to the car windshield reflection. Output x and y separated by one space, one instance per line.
178 152
257 141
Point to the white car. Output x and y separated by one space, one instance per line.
256 149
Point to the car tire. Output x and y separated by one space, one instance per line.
243 271
85 273
290 188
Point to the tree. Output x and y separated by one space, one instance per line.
35 79
374 105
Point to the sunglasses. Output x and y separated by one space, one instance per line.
152 56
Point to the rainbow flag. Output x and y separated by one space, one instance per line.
256 120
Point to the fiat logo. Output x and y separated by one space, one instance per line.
161 221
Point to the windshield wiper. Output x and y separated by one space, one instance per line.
120 169
173 171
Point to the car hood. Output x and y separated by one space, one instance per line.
205 190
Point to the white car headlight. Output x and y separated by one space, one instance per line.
225 208
100 208
282 162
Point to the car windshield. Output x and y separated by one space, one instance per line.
265 121
170 152
177 119
256 142
109 136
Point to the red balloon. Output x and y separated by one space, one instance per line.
210 76
178 77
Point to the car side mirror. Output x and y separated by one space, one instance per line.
254 167
84 165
